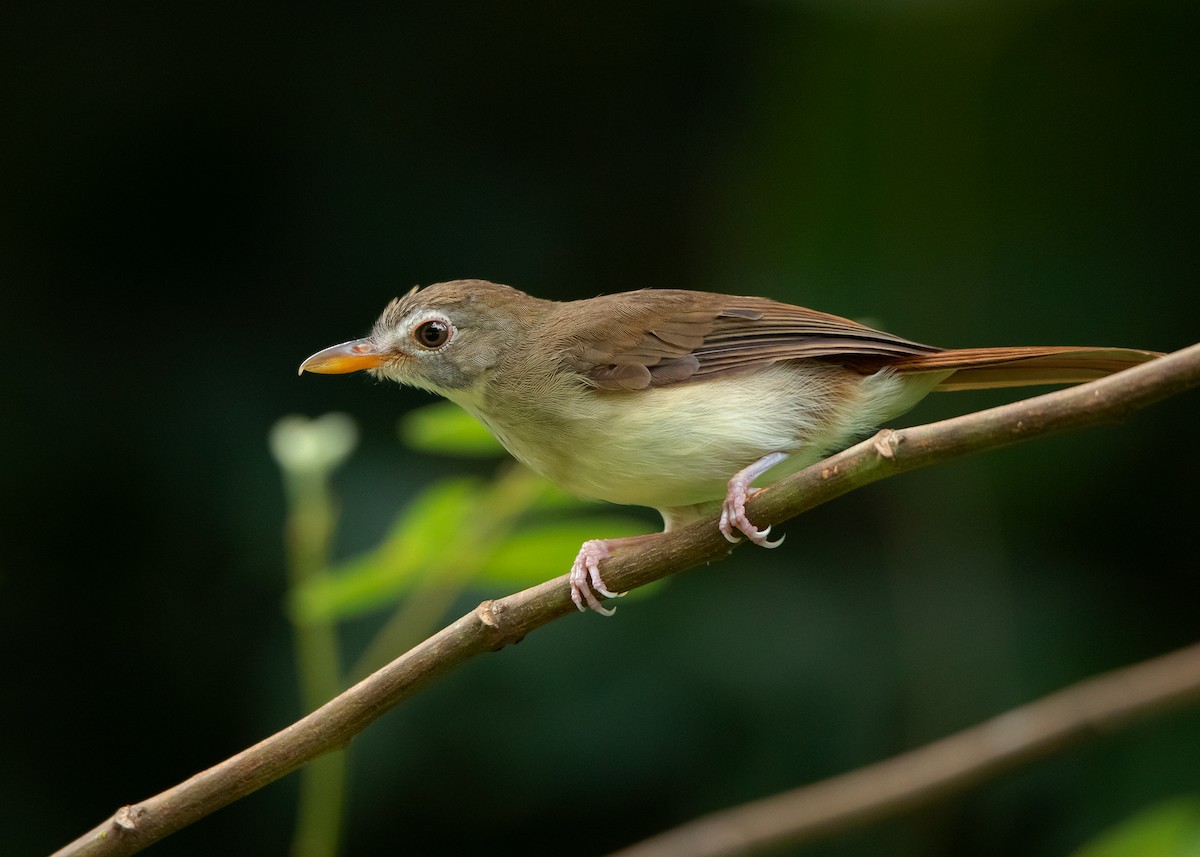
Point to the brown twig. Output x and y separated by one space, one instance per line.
950 765
495 624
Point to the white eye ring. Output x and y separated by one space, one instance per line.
432 333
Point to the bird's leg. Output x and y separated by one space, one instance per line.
733 511
586 582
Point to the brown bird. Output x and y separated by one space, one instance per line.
673 399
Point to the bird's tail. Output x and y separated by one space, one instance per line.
982 368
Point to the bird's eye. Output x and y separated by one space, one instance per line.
432 334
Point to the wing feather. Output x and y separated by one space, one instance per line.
657 337
652 338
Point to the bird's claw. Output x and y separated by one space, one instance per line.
734 523
586 582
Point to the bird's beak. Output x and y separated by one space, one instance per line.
347 357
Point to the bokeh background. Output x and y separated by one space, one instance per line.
193 199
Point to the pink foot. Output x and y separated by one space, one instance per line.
734 523
586 582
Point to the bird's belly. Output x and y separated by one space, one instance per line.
679 445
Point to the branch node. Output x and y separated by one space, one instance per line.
127 817
487 612
886 443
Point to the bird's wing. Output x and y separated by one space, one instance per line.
657 337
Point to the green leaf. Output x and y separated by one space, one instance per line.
446 429
552 498
1170 829
541 551
412 548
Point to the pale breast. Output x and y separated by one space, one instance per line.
678 445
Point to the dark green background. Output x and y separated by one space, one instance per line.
194 199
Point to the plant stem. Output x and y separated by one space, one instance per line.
309 529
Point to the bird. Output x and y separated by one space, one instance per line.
674 399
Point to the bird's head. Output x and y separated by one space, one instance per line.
442 338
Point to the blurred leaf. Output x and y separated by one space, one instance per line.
301 445
446 429
542 551
419 535
553 498
1171 829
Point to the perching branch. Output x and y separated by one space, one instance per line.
495 624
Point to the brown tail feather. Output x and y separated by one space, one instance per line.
982 368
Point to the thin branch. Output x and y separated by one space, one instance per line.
495 624
950 765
